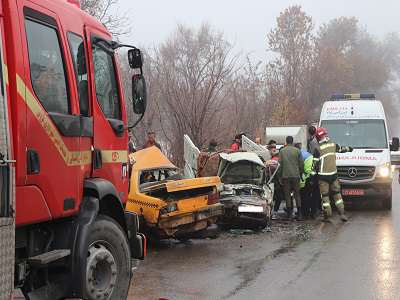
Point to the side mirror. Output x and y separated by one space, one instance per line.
139 94
395 144
135 58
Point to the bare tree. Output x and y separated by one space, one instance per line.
247 101
106 11
349 59
289 74
193 69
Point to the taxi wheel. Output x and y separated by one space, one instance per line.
387 203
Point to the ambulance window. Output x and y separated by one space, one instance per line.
106 83
79 58
47 67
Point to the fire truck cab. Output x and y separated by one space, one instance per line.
61 97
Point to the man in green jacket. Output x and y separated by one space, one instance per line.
291 168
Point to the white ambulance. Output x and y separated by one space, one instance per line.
359 121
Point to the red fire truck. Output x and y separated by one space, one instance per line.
63 154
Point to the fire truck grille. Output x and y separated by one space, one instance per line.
356 173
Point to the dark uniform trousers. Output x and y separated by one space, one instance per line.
291 185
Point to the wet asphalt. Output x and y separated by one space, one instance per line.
297 260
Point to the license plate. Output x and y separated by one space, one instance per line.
255 209
353 192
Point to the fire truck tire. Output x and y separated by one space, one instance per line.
108 264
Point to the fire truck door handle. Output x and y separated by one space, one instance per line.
97 159
33 162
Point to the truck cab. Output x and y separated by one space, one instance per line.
359 121
69 138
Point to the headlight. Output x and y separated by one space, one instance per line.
384 170
220 187
227 192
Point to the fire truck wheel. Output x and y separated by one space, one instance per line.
108 264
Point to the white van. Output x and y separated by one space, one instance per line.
359 121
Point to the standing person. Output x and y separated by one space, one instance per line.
258 140
291 168
312 144
273 165
305 182
313 148
212 146
151 140
278 189
327 173
131 144
237 143
273 151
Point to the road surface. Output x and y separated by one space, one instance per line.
298 260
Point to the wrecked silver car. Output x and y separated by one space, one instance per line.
247 195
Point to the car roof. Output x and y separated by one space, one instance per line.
150 158
242 156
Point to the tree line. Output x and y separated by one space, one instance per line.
198 86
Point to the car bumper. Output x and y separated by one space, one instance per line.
233 217
190 222
244 221
377 189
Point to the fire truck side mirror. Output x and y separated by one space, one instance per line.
139 94
135 58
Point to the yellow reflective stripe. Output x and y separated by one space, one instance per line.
43 119
71 158
78 158
340 201
330 173
324 146
326 204
327 154
114 156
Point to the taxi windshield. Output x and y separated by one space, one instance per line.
359 134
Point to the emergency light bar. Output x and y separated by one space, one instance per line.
353 97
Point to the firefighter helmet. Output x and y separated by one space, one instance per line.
321 133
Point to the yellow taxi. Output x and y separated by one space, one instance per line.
170 206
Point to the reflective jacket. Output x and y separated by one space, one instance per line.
308 168
325 159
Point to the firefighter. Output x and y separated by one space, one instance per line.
325 158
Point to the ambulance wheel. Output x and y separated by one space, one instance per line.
387 203
108 263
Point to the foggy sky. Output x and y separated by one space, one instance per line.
246 23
